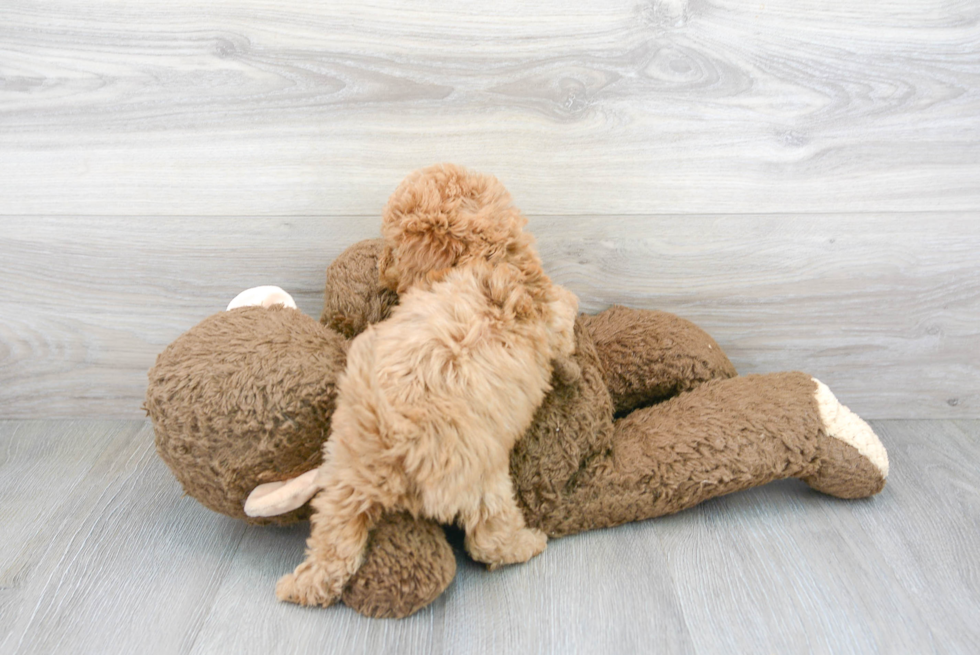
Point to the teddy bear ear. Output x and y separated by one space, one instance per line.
265 296
277 498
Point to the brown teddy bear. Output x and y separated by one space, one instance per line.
652 421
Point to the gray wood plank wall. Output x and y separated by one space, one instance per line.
800 178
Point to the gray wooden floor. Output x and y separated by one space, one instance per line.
102 554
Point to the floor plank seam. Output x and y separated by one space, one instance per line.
231 554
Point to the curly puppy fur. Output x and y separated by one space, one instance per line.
445 216
434 399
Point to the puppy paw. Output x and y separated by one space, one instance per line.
525 544
566 370
309 585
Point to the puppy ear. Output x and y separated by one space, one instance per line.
437 275
508 291
521 303
387 273
421 253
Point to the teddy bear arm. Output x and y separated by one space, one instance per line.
724 436
354 297
648 356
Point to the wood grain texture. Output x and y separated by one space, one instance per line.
261 626
885 310
126 564
578 601
246 107
117 569
858 565
930 526
41 468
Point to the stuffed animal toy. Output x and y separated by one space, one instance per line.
652 420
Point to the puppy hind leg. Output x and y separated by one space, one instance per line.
342 519
495 529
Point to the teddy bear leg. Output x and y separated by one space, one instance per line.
339 529
650 355
853 461
724 436
408 564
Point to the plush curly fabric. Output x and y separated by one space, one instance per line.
725 436
384 587
649 356
354 297
572 427
243 398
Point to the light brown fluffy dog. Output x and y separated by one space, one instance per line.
434 398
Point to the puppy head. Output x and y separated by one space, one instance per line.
446 216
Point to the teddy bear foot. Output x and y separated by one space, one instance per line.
852 461
309 585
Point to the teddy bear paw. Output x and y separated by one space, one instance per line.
309 585
853 462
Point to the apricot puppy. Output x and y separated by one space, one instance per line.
428 410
